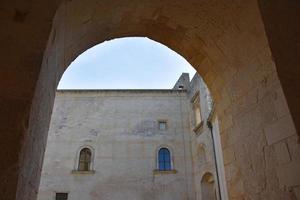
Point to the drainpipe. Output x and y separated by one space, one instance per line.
209 125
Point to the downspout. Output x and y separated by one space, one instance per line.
209 125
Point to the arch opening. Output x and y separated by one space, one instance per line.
125 63
233 58
164 125
208 187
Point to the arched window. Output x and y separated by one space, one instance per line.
208 189
85 158
201 154
197 109
164 159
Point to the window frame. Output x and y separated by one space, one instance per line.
57 193
162 121
85 159
171 159
197 107
77 159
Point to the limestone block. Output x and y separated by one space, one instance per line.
266 110
280 103
246 103
236 188
242 156
294 147
253 176
280 129
289 174
232 171
282 153
225 122
271 176
228 155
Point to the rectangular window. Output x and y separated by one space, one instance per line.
61 196
197 110
180 87
197 114
162 125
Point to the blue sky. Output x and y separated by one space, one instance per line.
126 63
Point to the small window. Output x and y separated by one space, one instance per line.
197 109
164 159
180 87
61 196
197 115
162 125
85 158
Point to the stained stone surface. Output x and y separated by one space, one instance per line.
121 129
247 52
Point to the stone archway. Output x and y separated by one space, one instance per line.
224 41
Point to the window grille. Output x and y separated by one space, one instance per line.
162 125
61 196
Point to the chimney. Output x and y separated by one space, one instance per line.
183 82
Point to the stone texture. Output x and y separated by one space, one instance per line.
251 46
289 174
279 130
281 25
282 153
228 155
121 129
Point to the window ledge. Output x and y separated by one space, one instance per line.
83 172
198 127
157 171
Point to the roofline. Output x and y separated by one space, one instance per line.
117 90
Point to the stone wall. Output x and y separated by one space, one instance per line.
122 129
225 41
202 141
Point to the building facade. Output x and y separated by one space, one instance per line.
132 144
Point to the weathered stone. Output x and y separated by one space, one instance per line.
289 174
282 153
238 38
294 147
279 130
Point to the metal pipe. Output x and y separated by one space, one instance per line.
209 125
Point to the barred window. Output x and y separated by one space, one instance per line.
162 125
61 196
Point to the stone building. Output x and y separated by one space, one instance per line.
246 51
132 144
